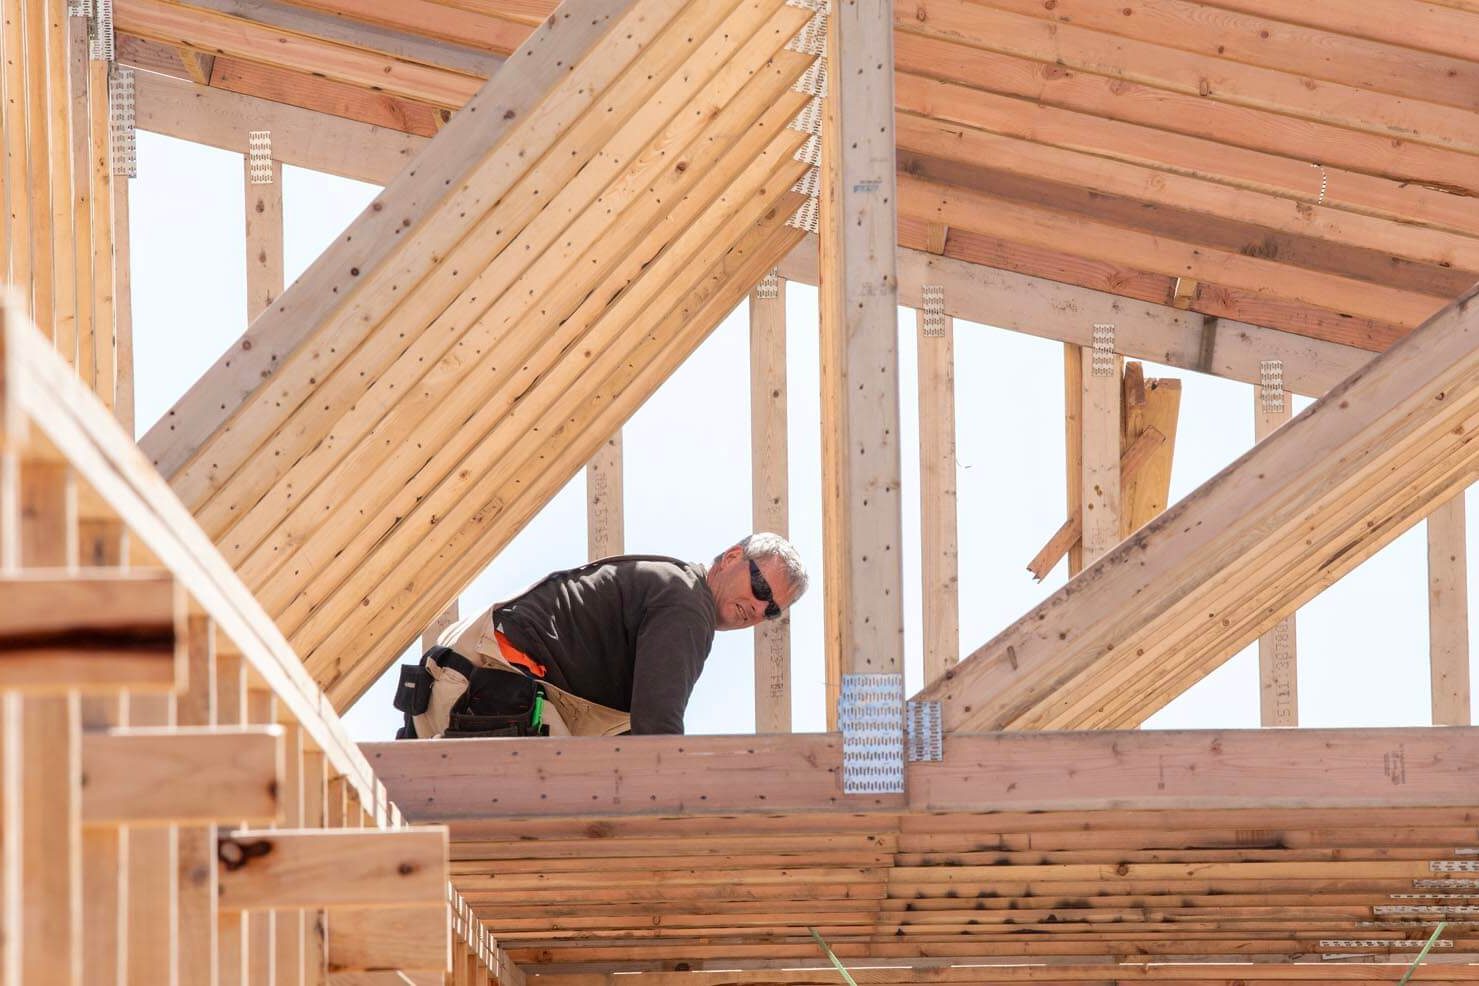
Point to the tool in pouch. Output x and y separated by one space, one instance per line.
496 702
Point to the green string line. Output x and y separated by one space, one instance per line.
842 969
1423 954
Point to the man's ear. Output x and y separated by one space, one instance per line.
733 554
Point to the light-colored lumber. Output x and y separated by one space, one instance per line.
195 707
181 775
1448 613
372 240
939 554
605 510
18 250
59 164
308 868
79 174
94 630
264 240
154 944
1071 535
1278 648
980 212
370 939
920 975
113 355
35 98
447 617
300 137
1187 340
647 777
42 839
1099 495
861 503
210 31
770 495
1225 564
1146 484
289 935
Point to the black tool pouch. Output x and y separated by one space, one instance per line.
497 703
412 696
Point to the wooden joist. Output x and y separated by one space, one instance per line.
272 869
376 939
179 775
1268 533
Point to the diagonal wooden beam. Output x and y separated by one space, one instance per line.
1266 534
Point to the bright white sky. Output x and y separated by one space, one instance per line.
1362 645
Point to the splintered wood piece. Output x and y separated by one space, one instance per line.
274 869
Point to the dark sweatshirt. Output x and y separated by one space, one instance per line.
630 632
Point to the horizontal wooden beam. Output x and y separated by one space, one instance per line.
92 630
930 975
1248 547
300 137
698 775
1067 313
181 775
277 869
390 938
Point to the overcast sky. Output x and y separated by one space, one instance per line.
1362 644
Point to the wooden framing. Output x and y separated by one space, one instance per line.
939 555
1448 613
1278 648
861 502
770 494
605 512
1079 659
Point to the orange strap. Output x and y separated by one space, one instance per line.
516 657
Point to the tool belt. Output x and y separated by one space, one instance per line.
494 701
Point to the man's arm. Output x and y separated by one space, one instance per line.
672 646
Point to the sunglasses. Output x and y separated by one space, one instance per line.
761 591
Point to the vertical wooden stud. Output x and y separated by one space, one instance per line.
261 926
288 936
939 562
769 498
17 160
59 164
1448 613
263 241
1278 650
153 864
231 942
198 941
1101 460
861 503
605 512
1073 445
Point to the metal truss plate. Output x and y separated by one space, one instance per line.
926 738
1454 866
932 303
1425 909
1392 943
122 136
1101 362
769 287
1271 386
870 713
259 157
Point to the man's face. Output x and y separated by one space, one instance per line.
737 592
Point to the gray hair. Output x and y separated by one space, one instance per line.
763 544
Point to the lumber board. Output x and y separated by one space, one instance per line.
605 511
216 33
1278 652
181 775
1022 303
1208 972
939 552
264 238
1428 27
369 939
317 302
300 137
272 869
1018 771
1100 480
327 97
861 505
94 630
200 944
1400 426
770 495
484 26
1448 614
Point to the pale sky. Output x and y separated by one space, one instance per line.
1362 644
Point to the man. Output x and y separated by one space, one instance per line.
611 647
